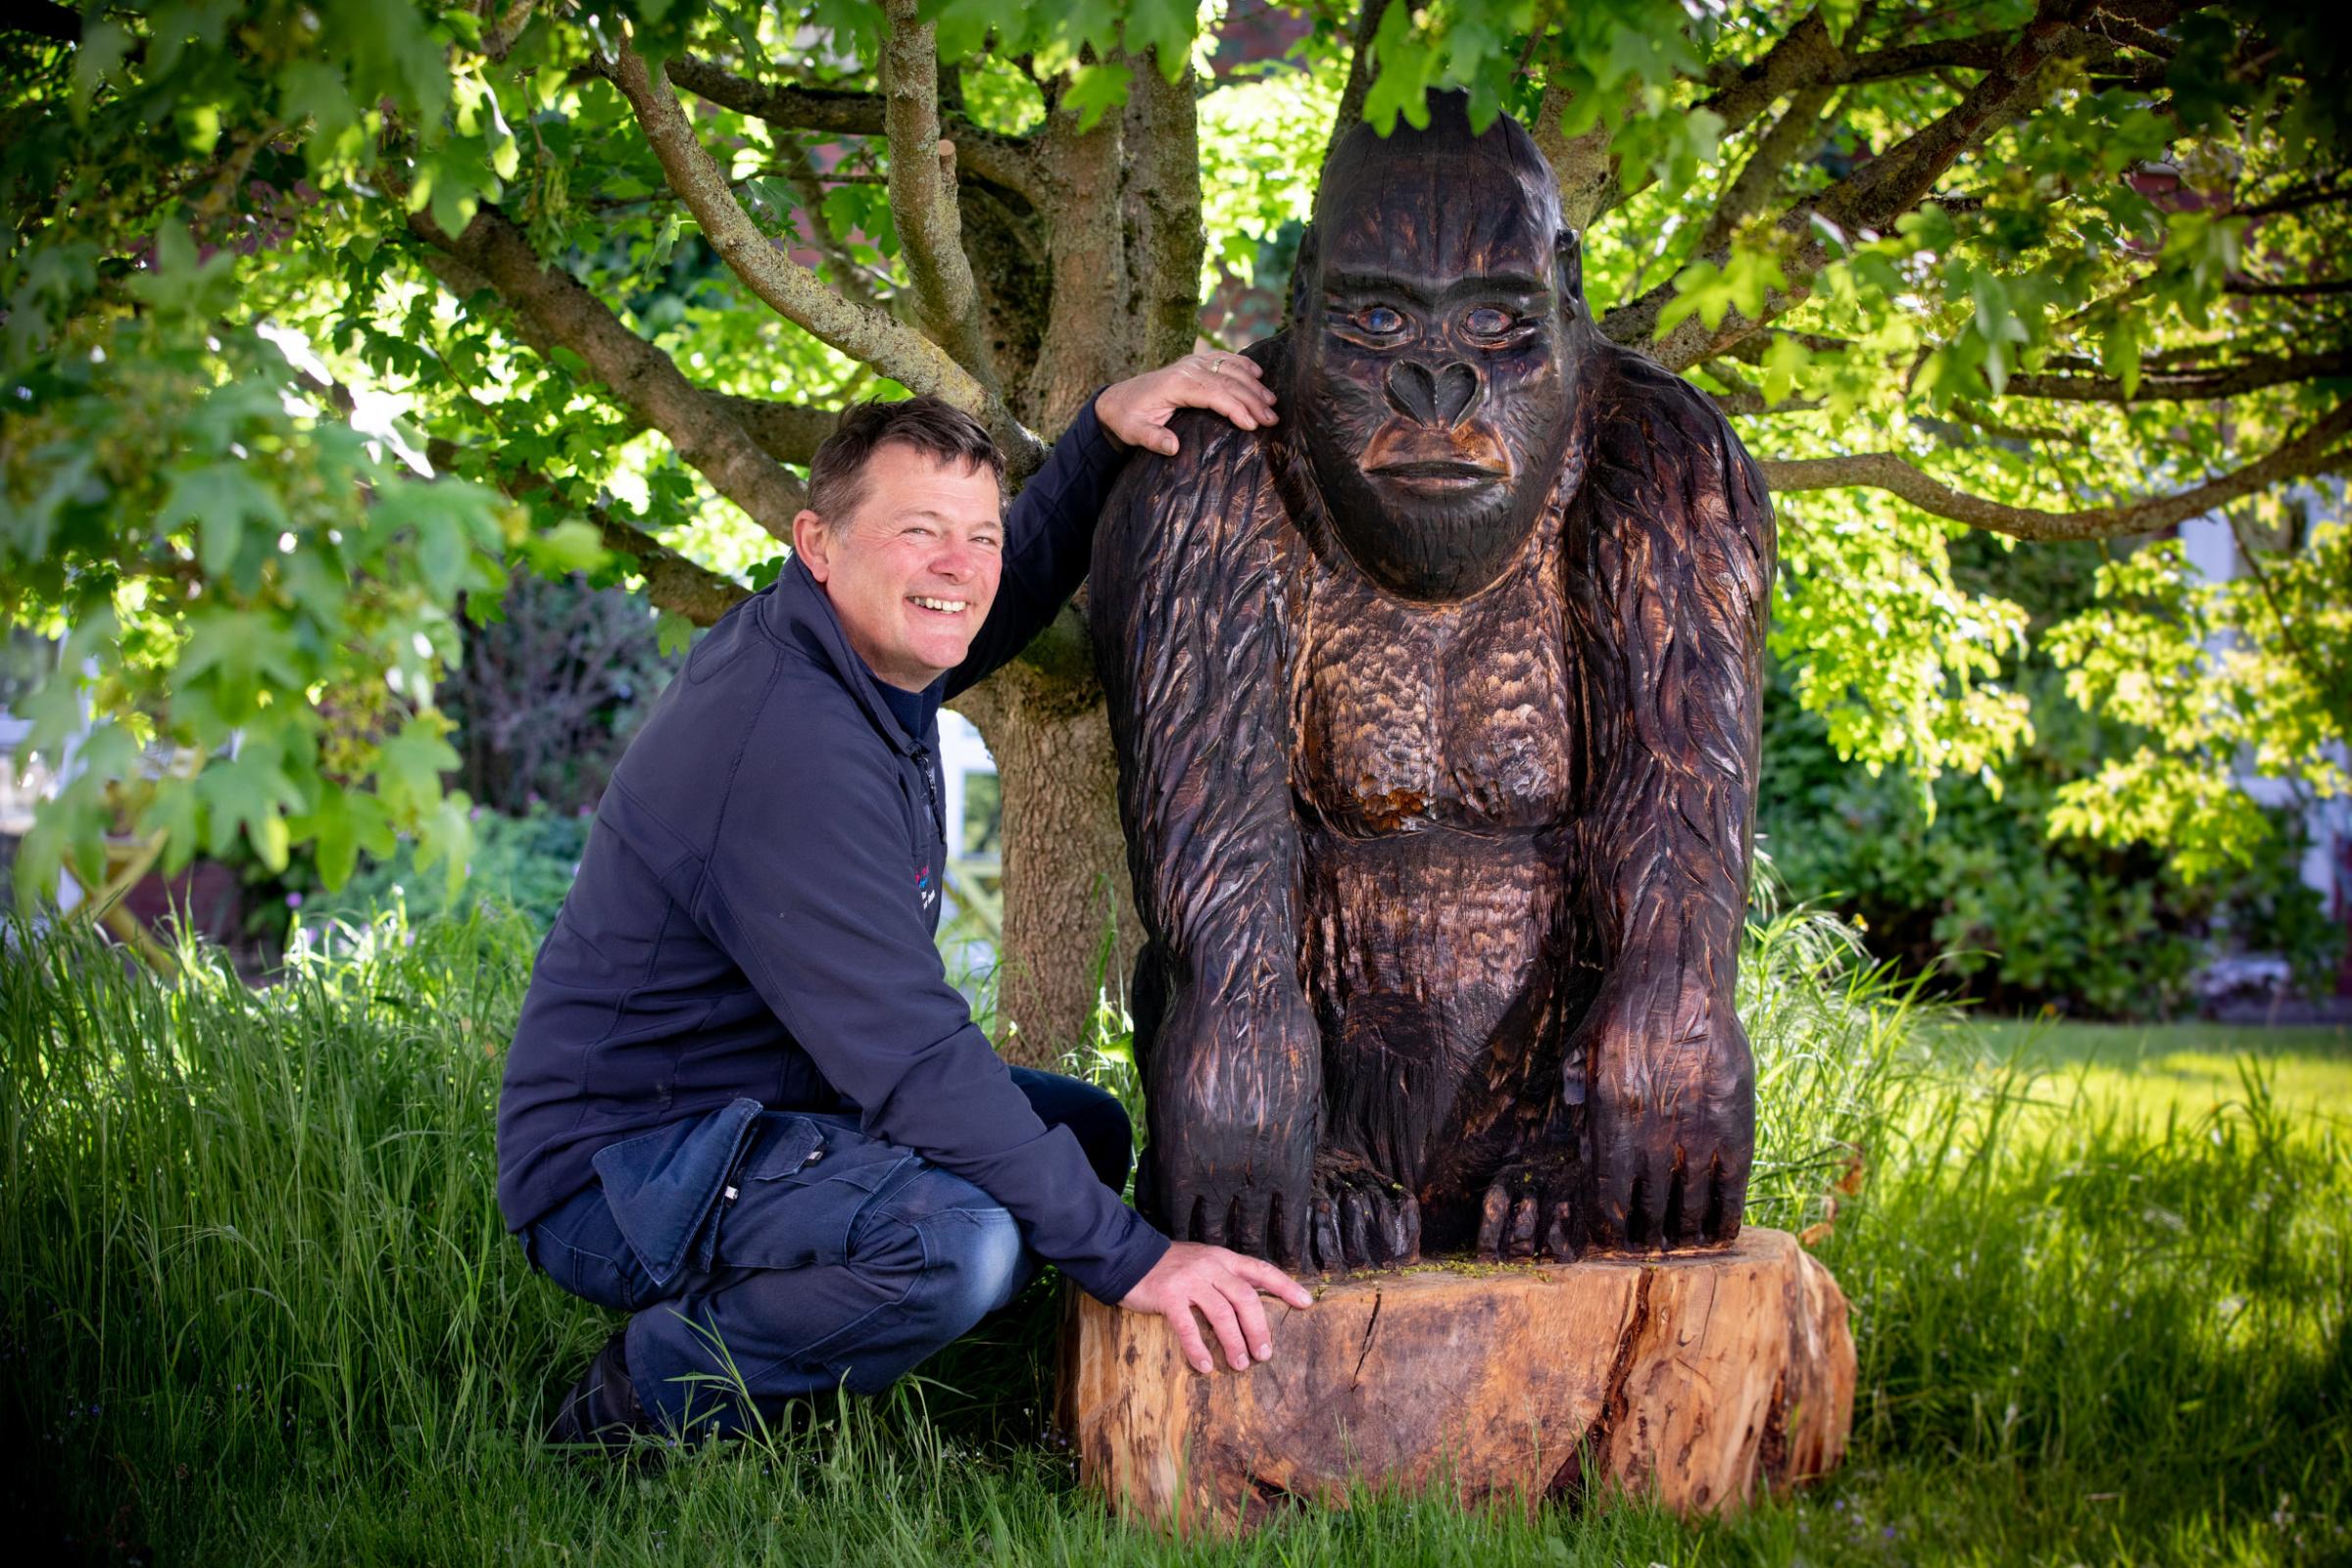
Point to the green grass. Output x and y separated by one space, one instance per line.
2189 1069
256 1306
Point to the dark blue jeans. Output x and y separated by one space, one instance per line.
774 1253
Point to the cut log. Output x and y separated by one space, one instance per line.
1693 1378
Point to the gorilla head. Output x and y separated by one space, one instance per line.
1439 323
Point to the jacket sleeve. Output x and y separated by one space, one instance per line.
811 892
1049 539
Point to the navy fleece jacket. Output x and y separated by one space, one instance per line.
754 917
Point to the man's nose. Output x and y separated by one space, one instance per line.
956 559
1438 397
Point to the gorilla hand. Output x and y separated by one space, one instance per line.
1238 1090
1670 1115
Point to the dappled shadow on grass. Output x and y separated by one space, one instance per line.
259 1307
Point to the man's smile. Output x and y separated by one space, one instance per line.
945 606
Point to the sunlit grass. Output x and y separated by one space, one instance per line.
256 1304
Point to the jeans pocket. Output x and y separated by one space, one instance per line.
663 1187
805 1183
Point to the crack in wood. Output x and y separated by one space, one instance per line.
1370 1324
1574 1480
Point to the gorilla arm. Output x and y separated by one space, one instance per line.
1188 613
1669 568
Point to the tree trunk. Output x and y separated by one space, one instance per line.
1699 1379
1065 859
1118 223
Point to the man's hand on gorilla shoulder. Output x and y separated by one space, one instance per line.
1136 412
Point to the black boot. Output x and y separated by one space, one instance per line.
601 1407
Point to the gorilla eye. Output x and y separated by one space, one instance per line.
1380 321
1488 322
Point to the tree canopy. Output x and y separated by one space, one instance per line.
324 317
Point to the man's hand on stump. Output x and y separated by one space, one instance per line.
1221 1286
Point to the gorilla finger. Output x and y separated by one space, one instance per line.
1248 1233
1729 1206
1493 1210
1209 1221
1559 1236
1645 1206
1409 1229
1355 1228
1683 1212
1326 1228
1523 1228
1286 1232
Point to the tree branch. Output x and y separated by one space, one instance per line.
2186 384
2316 448
1002 160
793 291
1776 150
1360 74
801 174
922 193
1803 56
2263 290
1164 171
1870 197
672 582
554 309
500 37
788 432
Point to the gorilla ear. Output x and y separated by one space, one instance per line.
1302 274
1568 262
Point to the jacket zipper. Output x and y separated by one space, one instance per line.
939 814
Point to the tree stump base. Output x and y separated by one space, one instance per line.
1693 1378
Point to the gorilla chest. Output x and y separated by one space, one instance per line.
1432 715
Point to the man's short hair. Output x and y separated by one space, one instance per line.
931 425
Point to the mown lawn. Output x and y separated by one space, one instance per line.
255 1305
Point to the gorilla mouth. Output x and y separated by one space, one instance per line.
1440 474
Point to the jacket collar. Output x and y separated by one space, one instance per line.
799 614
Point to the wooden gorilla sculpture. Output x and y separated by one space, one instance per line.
1437 712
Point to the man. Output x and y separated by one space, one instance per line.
743 1102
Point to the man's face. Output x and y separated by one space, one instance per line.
1437 363
912 571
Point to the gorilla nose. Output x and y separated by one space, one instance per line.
1437 397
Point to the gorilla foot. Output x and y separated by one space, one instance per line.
1531 1210
1362 1219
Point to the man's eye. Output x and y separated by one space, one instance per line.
1380 321
1488 322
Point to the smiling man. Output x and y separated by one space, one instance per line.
743 1102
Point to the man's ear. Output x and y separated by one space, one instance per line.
811 541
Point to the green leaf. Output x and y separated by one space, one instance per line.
249 793
342 822
221 498
1095 88
409 767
